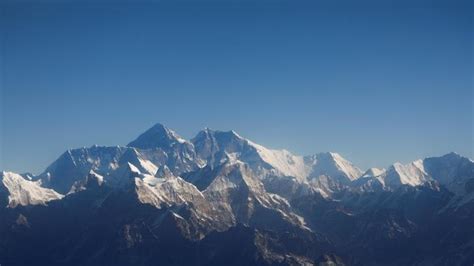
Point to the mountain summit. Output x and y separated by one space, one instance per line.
158 136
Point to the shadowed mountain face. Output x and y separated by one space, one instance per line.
220 199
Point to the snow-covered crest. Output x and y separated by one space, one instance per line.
162 148
158 136
213 145
25 192
334 166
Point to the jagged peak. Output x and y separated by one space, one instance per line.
208 132
336 162
158 136
204 133
169 132
418 164
412 173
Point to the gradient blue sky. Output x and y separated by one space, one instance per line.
375 82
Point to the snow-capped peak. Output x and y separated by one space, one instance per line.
158 136
220 146
283 161
412 174
347 167
333 165
451 170
25 192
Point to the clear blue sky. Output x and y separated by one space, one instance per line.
375 82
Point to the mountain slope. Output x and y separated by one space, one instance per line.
332 165
180 155
25 192
218 146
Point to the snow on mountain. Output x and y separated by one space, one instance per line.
450 169
373 172
236 190
92 179
139 160
25 192
74 165
456 173
158 136
219 180
412 174
218 146
332 165
279 171
166 191
284 161
207 145
123 177
161 145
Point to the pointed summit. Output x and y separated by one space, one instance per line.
412 174
222 136
158 136
212 145
334 165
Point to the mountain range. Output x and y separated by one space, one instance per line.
221 199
